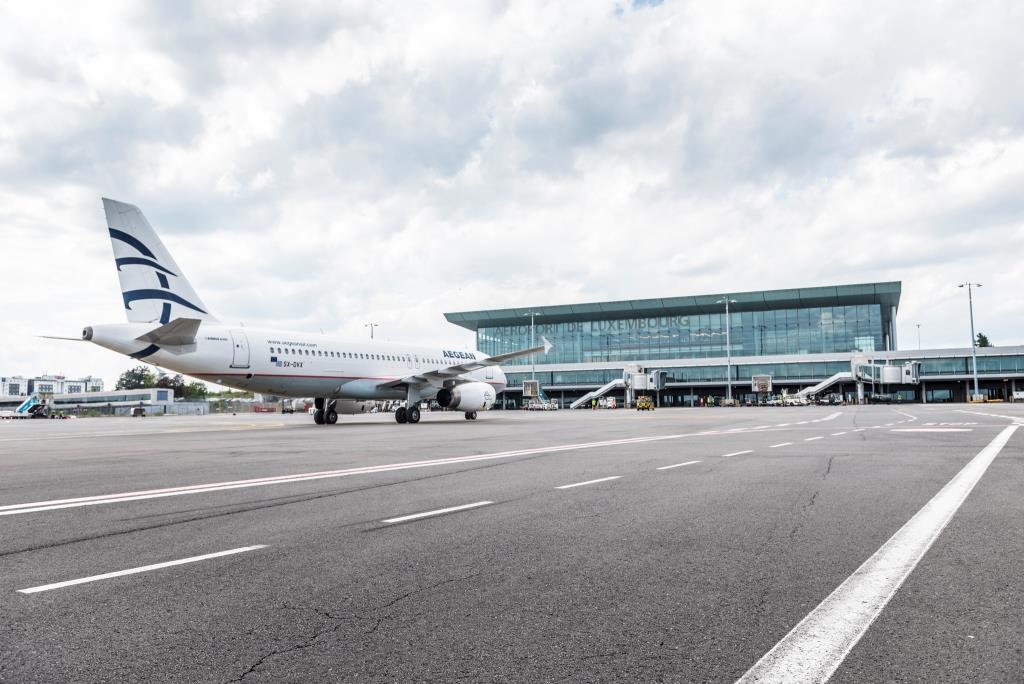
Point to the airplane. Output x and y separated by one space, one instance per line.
170 326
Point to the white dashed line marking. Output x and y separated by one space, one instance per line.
931 430
738 453
814 649
776 446
837 434
589 482
440 511
135 571
677 465
811 439
57 504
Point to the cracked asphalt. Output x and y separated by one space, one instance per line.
688 574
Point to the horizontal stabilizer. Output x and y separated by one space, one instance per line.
180 331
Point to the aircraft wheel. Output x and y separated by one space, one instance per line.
332 417
400 415
413 415
471 415
318 416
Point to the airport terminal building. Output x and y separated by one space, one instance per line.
799 337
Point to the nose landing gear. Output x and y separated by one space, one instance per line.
324 412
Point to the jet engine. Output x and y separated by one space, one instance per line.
470 397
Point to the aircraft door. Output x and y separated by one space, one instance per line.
239 349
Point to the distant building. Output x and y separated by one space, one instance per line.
15 386
153 400
18 386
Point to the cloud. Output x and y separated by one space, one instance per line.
321 165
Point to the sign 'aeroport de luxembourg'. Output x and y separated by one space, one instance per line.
624 324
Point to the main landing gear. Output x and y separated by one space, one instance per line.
403 415
324 411
470 415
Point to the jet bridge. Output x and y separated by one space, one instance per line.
863 371
844 376
617 383
633 378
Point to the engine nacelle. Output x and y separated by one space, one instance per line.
472 396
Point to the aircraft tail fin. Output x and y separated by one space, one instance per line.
152 285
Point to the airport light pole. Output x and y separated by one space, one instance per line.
918 337
371 326
728 348
974 340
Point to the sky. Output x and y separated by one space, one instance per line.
318 166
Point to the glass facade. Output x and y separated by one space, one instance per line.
780 372
807 330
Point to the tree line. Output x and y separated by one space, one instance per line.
143 377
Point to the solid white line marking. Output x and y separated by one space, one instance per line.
16 509
738 453
440 511
134 571
677 465
588 482
776 446
836 434
931 430
811 439
813 649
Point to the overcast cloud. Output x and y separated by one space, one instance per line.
325 165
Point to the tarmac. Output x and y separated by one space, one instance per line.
875 543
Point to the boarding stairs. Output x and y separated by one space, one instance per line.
618 383
845 376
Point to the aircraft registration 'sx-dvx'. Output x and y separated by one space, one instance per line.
169 326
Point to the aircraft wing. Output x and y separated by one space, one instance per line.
438 376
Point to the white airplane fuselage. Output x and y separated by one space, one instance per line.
293 364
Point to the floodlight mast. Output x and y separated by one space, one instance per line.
974 340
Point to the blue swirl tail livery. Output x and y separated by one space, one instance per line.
153 287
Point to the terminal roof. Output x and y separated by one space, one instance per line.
886 294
